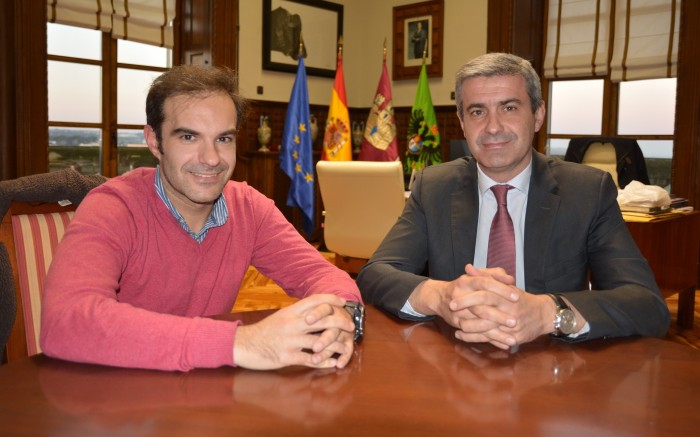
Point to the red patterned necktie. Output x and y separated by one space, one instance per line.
502 236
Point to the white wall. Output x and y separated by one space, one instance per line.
366 23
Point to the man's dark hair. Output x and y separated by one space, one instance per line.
194 81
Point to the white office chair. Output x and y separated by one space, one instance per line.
362 201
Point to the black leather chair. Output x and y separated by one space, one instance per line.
630 164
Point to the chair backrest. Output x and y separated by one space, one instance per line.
362 200
621 157
601 155
31 232
458 149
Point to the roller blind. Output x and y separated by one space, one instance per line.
577 38
145 21
646 39
630 39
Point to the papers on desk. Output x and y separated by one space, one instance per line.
642 217
637 197
648 203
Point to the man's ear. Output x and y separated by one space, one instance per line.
539 117
152 141
461 124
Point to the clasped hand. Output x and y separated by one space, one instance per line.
314 332
485 306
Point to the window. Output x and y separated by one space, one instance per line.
610 68
95 81
645 111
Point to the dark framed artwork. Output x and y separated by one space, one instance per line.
418 29
318 22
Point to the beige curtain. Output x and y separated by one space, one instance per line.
644 37
145 21
578 34
93 14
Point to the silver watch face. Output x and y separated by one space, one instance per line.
565 321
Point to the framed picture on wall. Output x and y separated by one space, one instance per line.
418 30
319 23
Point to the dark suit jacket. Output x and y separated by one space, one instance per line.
573 225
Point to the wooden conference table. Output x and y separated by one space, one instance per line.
405 379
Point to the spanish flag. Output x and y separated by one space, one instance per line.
336 141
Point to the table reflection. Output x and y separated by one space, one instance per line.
306 396
502 389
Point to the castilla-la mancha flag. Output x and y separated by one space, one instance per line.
423 134
336 141
379 141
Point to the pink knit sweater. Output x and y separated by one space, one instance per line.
128 287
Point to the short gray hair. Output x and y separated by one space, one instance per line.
499 64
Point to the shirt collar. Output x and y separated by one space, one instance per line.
520 182
217 217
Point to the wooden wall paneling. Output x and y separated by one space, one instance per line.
685 178
498 27
685 175
8 120
225 33
196 32
30 72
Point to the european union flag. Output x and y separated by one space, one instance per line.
295 155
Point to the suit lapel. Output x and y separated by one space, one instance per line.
542 209
464 217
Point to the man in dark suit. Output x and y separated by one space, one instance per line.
576 273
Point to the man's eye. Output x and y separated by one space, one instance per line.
226 140
187 137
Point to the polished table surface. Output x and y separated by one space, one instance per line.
405 379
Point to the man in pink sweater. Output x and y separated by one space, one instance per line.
150 254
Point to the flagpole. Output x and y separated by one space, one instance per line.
301 43
384 51
340 48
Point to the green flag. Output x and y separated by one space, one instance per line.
423 134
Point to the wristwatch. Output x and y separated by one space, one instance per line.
357 312
564 318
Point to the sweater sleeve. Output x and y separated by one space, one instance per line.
282 254
84 320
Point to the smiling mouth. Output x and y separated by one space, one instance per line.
208 177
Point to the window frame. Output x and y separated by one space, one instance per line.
108 125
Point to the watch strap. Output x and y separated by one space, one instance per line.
559 302
357 312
